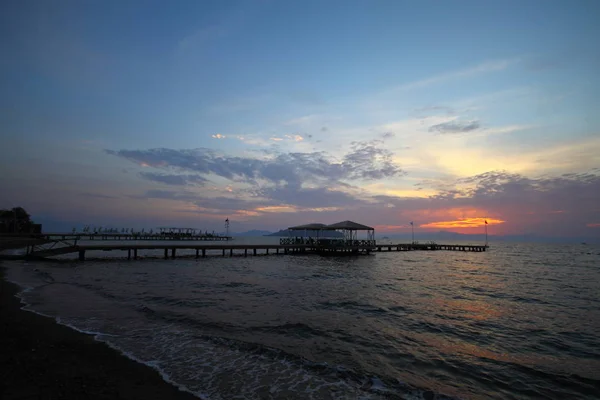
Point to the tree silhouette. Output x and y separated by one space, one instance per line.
15 219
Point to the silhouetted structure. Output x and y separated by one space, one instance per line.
17 221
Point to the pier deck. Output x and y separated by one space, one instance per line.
135 236
169 250
120 237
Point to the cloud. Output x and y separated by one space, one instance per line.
172 179
224 204
388 135
219 136
311 197
98 195
560 205
550 205
455 127
365 161
476 222
317 182
368 161
485 67
305 120
295 138
168 195
265 200
435 109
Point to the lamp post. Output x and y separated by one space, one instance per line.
412 226
486 233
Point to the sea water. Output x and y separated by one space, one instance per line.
521 321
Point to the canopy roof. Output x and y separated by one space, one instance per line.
349 226
315 226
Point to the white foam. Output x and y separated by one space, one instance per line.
217 370
99 336
155 365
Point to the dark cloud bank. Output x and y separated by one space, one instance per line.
365 161
312 180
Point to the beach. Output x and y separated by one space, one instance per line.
44 360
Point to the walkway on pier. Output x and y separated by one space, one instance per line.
132 236
430 247
169 250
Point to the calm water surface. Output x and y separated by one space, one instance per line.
518 322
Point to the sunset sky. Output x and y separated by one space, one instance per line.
278 113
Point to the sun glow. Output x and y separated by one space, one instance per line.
463 223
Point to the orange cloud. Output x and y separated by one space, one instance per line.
276 209
463 223
296 138
594 225
219 136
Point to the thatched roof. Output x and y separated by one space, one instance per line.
348 225
314 226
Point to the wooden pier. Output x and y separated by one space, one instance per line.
127 237
47 245
169 250
430 247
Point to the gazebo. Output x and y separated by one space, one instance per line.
315 227
350 230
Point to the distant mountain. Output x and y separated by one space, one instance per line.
287 232
445 236
253 232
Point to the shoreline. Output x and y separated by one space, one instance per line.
45 359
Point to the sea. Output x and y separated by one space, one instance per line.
520 321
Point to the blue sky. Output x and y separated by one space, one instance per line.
278 113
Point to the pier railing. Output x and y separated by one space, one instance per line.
330 243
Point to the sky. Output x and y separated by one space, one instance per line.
279 113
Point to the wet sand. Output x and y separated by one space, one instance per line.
41 359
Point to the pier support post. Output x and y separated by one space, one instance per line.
267 250
223 252
135 254
129 254
173 252
81 255
245 252
230 252
203 252
277 250
254 251
196 253
166 253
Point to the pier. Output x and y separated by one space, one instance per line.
324 242
126 236
167 250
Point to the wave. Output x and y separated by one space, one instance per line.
267 370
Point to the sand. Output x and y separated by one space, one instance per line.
40 359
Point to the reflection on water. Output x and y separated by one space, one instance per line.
519 321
